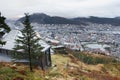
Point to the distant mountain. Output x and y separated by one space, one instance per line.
117 17
42 18
99 20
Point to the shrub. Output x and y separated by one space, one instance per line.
6 70
93 60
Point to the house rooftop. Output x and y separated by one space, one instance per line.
10 40
1 29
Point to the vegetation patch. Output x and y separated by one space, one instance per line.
90 59
65 67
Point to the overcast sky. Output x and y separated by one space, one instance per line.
65 8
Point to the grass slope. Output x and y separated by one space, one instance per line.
65 67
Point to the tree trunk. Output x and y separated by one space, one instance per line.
30 63
29 52
41 63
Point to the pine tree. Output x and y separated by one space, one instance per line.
4 26
27 46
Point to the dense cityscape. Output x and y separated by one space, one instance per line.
103 38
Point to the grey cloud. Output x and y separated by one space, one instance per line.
66 8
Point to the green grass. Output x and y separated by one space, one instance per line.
7 73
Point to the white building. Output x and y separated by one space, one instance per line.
10 43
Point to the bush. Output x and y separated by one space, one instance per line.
6 70
6 73
93 60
